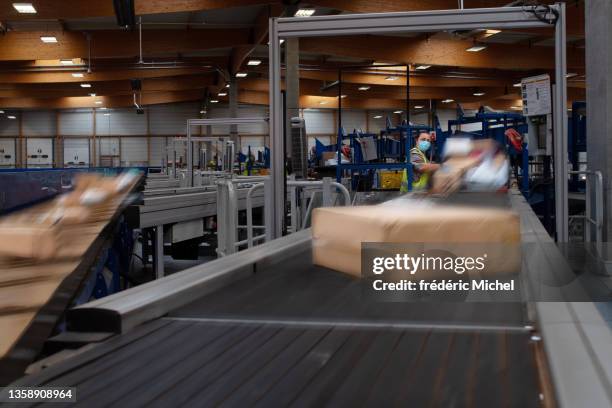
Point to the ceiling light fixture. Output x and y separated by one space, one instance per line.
489 33
98 102
11 117
202 112
304 12
48 39
517 85
85 85
476 48
1 111
419 107
214 101
66 62
423 67
322 102
103 108
343 96
222 94
391 78
398 112
77 74
107 114
254 62
363 88
227 85
377 116
24 8
448 100
241 74
92 94
478 93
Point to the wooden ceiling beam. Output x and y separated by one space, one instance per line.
75 9
23 45
448 52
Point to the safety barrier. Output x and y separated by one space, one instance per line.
594 183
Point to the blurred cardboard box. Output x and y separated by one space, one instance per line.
338 232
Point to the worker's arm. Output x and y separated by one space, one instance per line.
429 167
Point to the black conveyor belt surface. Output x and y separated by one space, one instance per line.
173 362
299 290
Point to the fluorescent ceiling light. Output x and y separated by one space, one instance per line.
11 117
304 12
448 100
85 85
517 85
48 39
489 33
24 8
227 85
398 112
66 62
241 74
322 102
202 112
343 96
478 93
254 62
391 78
103 108
363 88
377 116
98 102
423 67
77 74
107 114
1 111
222 93
476 48
418 107
214 101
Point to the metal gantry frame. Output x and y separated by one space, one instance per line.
212 122
421 21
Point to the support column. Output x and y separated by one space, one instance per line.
598 30
233 111
296 147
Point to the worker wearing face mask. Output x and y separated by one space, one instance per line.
422 167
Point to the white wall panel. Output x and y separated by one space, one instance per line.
40 152
377 124
157 150
121 122
134 151
9 127
256 143
172 119
39 123
7 152
353 120
76 151
76 123
319 122
108 146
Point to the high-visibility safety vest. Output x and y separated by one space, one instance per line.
422 182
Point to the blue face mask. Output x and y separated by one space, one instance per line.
424 145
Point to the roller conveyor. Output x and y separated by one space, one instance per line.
266 327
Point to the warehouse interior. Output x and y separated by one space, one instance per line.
244 202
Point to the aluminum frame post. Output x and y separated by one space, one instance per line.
189 157
276 134
560 128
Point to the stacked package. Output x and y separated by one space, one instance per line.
39 232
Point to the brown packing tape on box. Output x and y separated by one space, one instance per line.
338 232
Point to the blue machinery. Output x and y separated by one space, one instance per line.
393 143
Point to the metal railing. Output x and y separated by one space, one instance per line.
228 227
592 179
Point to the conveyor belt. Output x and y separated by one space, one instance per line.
297 290
265 327
180 363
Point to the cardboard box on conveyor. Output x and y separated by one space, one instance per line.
338 232
39 232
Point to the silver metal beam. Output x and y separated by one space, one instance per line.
560 129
